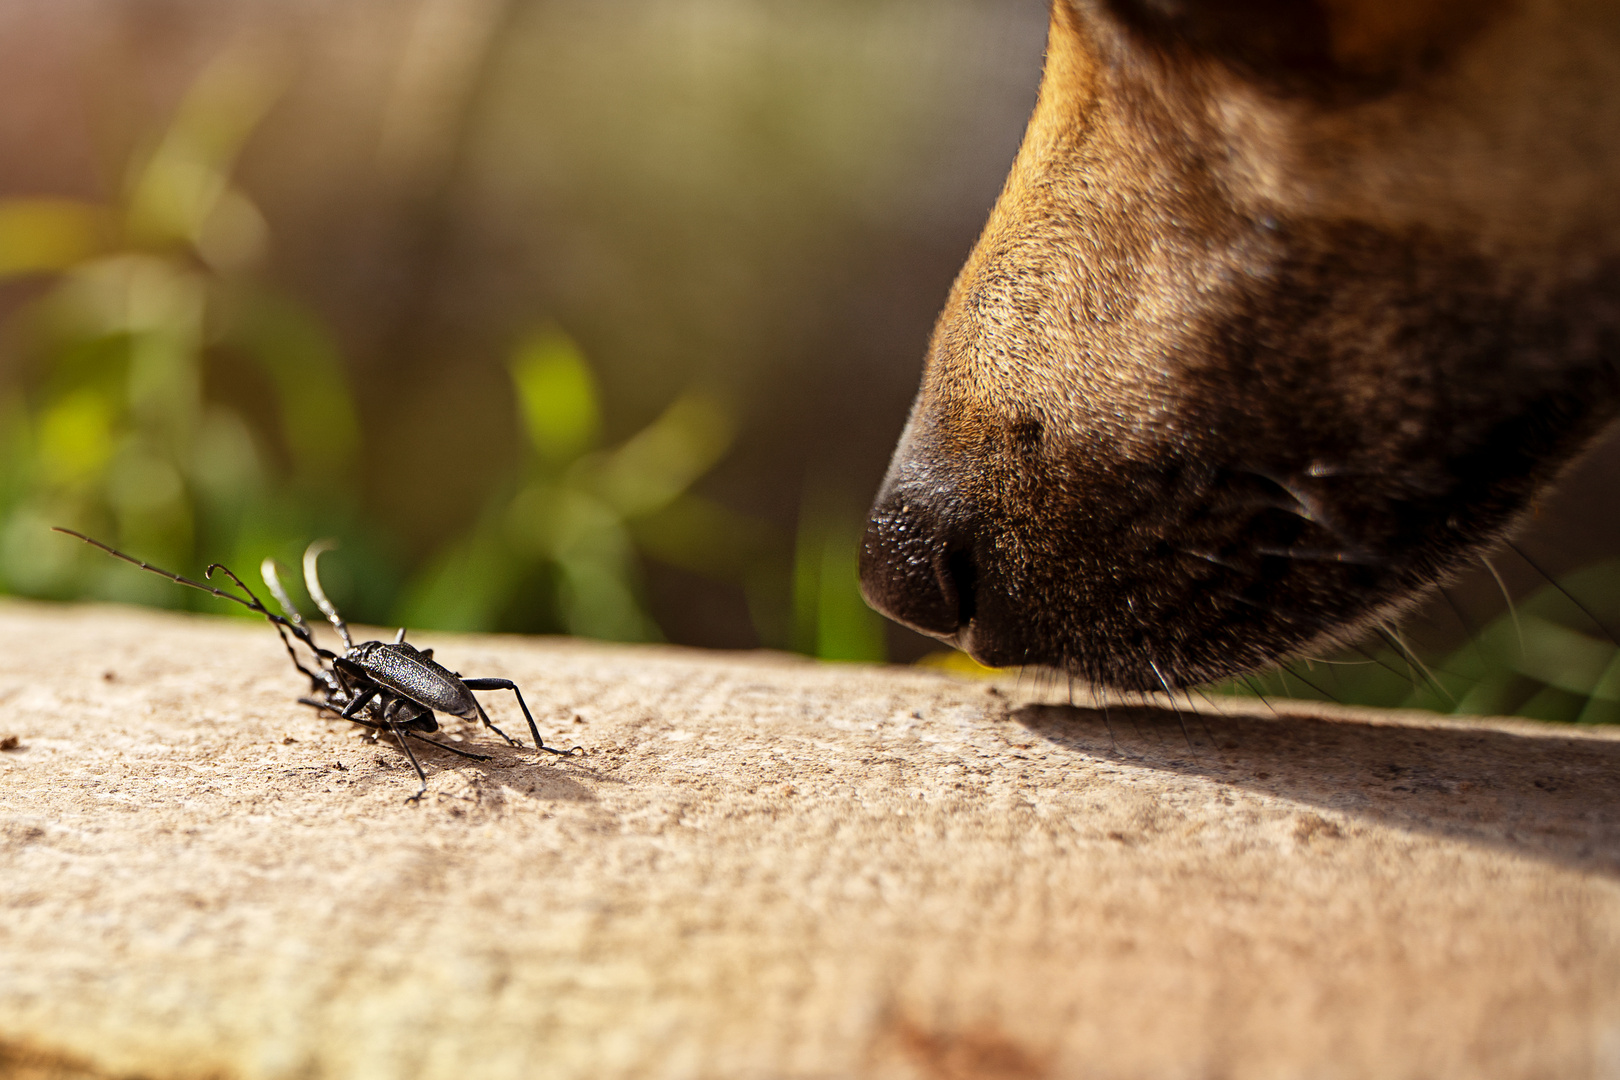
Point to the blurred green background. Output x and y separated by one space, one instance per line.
595 318
563 316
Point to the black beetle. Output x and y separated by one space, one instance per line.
385 685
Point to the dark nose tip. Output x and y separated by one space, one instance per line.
911 573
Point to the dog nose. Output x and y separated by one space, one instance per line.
911 573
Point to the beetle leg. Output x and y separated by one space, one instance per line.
391 710
374 725
484 716
358 702
446 746
399 733
508 684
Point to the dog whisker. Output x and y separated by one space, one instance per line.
1273 609
1359 558
1584 610
1209 557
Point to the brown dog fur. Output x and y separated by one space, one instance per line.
1287 310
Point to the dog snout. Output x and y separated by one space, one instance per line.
911 570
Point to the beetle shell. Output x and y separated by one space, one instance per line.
399 667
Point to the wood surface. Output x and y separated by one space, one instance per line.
767 867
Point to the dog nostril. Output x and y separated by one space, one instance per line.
907 576
963 574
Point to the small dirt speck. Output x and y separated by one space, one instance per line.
109 676
985 1053
338 765
10 742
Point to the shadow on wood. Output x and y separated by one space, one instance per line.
1546 795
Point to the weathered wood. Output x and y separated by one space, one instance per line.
771 868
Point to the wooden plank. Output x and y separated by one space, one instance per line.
772 868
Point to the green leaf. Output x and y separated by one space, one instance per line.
298 353
464 588
45 235
175 191
831 618
666 457
557 397
76 437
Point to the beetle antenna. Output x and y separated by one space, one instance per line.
272 580
312 582
281 624
251 605
270 571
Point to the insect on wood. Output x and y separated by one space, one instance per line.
383 685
